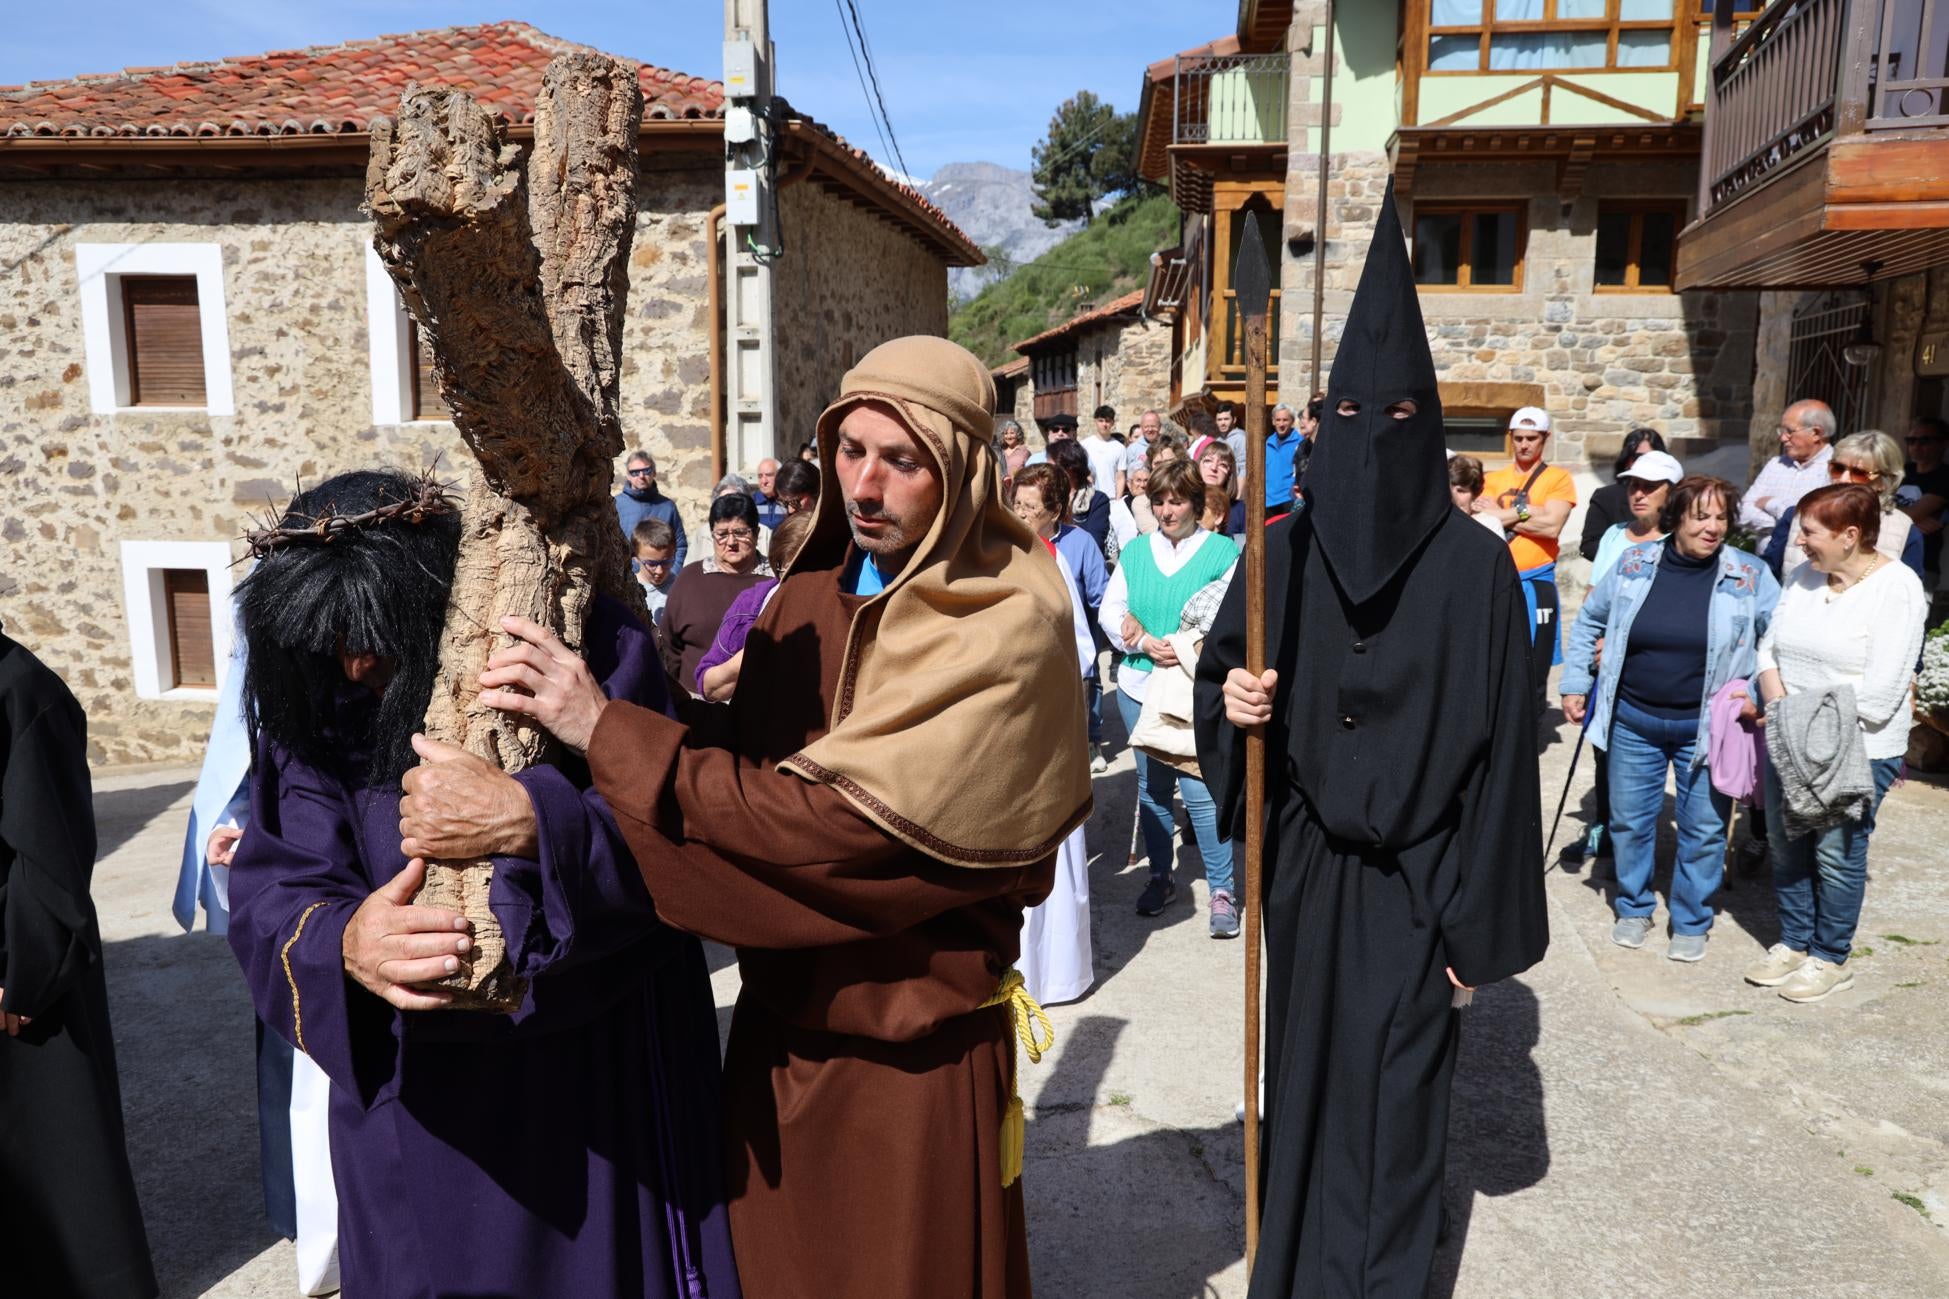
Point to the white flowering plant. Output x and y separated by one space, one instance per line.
1932 688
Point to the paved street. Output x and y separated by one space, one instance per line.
1624 1125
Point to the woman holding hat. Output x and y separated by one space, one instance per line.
1681 620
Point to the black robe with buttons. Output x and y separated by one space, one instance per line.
69 1223
1403 838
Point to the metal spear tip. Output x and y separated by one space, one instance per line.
1252 278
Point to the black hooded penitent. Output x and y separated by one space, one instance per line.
1403 811
380 589
1378 485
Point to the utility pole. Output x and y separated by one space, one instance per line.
751 228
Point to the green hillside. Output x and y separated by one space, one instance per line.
1108 257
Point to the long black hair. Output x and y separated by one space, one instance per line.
1636 443
380 589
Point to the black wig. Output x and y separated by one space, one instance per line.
379 589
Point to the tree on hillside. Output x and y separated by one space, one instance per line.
1114 168
1066 182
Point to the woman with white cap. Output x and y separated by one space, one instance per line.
1682 620
1647 484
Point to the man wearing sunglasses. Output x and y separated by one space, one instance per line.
640 500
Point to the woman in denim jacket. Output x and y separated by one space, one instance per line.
1679 619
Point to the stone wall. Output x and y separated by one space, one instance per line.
78 484
1126 365
1599 362
848 282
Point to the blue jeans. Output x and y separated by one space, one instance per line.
1093 701
1819 878
1642 748
1155 781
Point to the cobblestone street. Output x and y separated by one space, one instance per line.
1624 1125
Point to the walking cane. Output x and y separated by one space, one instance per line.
1583 733
1253 283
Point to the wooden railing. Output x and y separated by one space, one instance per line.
1805 71
1234 99
1773 94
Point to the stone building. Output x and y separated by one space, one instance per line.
1825 184
1113 355
1543 167
192 321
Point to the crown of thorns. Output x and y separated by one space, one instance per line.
429 499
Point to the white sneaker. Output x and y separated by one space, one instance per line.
1776 967
1816 980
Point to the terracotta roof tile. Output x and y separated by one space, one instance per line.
1123 306
345 86
340 89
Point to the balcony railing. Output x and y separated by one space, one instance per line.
1235 99
1807 70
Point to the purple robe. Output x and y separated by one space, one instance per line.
573 1147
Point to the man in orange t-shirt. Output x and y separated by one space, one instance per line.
1532 500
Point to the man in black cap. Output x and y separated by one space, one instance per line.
1404 851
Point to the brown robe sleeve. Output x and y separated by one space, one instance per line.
740 852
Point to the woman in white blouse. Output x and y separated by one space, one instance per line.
1849 616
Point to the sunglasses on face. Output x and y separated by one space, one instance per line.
1850 471
641 473
732 535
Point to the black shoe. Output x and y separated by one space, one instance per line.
1751 858
1156 895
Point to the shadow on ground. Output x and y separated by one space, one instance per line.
1498 1142
183 1025
1153 1212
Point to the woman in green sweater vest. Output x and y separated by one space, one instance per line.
1143 606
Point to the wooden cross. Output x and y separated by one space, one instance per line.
517 272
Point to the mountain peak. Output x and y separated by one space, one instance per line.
995 205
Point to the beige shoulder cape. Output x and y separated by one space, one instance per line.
958 725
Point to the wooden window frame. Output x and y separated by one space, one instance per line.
420 411
1634 245
1507 456
179 675
1464 269
152 633
132 355
1611 25
101 270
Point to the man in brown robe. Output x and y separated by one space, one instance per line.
865 823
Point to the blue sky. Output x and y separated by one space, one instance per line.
956 92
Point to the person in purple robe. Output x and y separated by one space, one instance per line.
571 1147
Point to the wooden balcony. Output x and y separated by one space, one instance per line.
1826 156
1212 113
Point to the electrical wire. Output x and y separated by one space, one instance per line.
873 73
846 30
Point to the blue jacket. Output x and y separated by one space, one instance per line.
1092 577
632 510
1742 605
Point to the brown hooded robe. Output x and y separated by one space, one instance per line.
863 825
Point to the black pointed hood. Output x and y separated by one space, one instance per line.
1378 486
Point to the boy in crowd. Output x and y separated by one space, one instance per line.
655 545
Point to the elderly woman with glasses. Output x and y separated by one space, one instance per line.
1681 618
1868 459
706 589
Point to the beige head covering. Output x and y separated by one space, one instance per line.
958 724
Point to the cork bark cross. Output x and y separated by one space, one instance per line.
516 269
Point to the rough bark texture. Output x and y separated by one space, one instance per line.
518 275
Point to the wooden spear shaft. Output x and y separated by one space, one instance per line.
1253 281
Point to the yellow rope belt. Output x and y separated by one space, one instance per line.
1013 995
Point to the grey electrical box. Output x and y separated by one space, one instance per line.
740 69
741 197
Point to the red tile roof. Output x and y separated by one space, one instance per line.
327 89
331 90
1127 305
